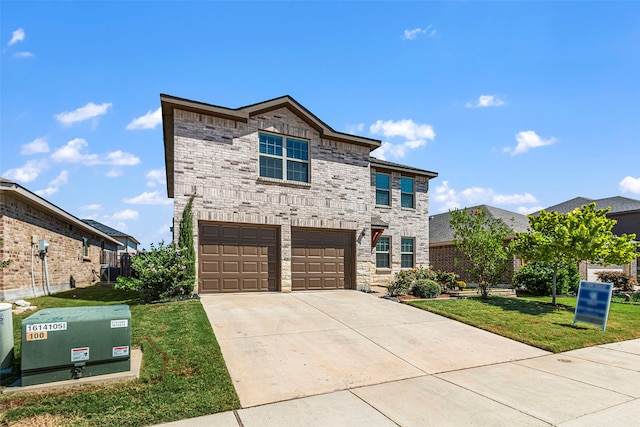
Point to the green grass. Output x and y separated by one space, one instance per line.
535 322
183 373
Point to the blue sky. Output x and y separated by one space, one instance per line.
519 105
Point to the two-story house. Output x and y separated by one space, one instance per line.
282 202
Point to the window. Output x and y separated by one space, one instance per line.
383 187
85 246
383 253
284 157
406 192
407 252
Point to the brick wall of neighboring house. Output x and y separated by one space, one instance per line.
218 159
403 222
442 257
19 221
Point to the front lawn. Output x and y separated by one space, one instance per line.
183 373
535 322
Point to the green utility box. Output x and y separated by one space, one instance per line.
70 343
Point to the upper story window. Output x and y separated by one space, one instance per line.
284 158
85 246
407 192
383 189
383 253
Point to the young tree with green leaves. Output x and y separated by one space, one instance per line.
584 234
185 239
480 238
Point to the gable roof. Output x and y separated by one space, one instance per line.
383 164
110 231
440 230
617 204
242 114
22 193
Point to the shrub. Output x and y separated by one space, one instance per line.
447 279
401 284
160 273
618 278
537 278
426 288
461 285
424 273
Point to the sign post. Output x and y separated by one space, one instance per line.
594 300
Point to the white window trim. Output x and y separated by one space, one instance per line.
285 158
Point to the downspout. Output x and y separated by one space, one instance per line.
33 279
46 271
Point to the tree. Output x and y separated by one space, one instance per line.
185 239
584 234
481 240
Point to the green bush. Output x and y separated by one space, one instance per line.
160 273
401 284
426 288
537 278
618 278
447 279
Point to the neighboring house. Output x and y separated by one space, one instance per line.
627 214
442 250
28 223
283 202
128 244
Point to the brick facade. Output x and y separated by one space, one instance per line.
214 154
403 222
20 219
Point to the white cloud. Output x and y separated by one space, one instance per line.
91 207
514 199
125 215
447 198
114 173
75 152
405 128
415 134
412 34
38 145
156 177
17 36
486 101
89 111
528 139
529 210
149 198
630 185
72 152
23 54
355 129
26 173
148 121
121 158
54 184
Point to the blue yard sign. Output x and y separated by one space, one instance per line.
594 299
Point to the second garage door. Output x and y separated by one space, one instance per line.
321 259
238 258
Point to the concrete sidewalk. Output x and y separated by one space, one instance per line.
347 358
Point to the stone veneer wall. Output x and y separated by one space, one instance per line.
19 220
218 160
403 222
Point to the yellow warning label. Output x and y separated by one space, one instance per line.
35 336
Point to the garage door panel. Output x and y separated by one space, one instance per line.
322 259
236 258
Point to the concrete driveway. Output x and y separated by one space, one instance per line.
283 346
345 358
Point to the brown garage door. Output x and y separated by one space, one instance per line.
321 259
238 258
